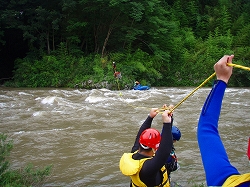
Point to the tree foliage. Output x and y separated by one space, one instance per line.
164 43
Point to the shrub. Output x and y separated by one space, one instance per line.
29 176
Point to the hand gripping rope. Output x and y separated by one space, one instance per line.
161 110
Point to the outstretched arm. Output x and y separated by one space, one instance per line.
147 124
153 165
214 157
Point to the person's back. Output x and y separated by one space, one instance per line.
143 165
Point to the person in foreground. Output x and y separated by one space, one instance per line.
146 163
218 169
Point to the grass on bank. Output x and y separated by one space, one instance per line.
26 177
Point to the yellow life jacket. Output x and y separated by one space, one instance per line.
235 180
132 168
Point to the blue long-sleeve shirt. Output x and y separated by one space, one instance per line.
214 157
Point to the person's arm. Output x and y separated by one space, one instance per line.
152 166
147 124
214 157
171 162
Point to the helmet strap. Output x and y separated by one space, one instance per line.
144 147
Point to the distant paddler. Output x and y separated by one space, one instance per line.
138 86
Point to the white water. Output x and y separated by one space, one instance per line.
83 133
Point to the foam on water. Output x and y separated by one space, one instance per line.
83 133
48 100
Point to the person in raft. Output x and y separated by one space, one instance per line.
145 165
218 169
137 84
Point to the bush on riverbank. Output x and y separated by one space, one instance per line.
159 43
188 67
191 68
29 176
65 70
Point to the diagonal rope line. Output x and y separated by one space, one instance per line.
191 93
161 110
238 66
210 77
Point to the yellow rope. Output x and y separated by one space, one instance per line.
210 77
118 86
172 109
161 110
238 66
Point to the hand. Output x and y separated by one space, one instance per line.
222 70
166 116
165 107
153 112
171 107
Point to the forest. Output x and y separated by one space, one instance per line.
73 43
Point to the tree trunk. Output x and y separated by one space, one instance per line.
53 40
106 41
48 47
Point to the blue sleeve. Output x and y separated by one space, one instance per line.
214 157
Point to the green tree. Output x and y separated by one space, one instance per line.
172 37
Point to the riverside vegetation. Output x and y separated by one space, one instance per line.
160 43
26 177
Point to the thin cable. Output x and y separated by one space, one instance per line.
161 110
210 77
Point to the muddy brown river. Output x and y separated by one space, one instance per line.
83 133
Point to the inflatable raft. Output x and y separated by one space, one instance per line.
138 86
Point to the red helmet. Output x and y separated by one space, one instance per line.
150 138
